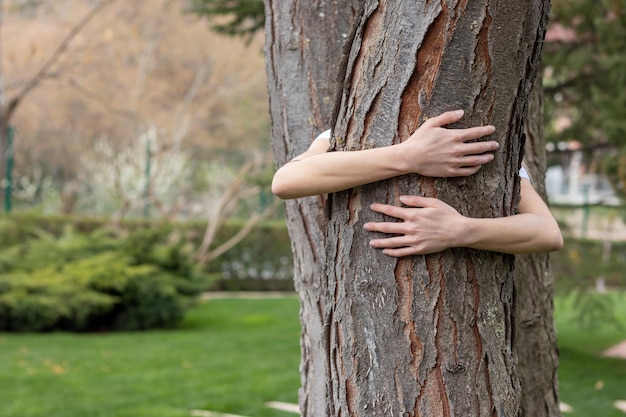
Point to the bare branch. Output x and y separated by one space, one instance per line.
94 96
181 124
54 58
241 234
225 205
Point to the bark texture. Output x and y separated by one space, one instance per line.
304 50
430 335
535 336
298 114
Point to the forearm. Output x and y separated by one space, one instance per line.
336 171
517 234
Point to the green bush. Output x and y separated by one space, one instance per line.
96 280
262 262
102 292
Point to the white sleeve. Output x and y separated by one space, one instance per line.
524 174
324 135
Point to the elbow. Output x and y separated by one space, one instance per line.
554 239
557 243
552 243
281 188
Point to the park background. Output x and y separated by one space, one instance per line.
139 168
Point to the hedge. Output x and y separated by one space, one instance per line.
61 279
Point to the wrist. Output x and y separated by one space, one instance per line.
402 159
470 232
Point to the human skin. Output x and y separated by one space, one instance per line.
432 151
426 225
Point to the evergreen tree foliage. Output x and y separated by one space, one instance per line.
237 17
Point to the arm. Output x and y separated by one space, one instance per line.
430 225
432 151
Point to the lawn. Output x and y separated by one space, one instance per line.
229 355
233 356
587 382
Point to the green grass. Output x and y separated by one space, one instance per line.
230 356
233 356
587 382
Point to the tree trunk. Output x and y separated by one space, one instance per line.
304 50
429 335
291 70
535 337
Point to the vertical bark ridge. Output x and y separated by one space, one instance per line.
441 316
428 63
478 341
309 224
405 287
482 64
486 374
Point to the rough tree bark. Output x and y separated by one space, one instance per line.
289 26
433 335
304 49
535 336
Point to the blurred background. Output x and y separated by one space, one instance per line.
135 157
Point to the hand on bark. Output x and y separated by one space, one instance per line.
428 225
435 151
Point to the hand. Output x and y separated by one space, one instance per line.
429 225
435 151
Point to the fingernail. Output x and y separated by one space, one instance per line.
402 198
460 112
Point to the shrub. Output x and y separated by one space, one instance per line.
45 300
102 292
66 280
263 261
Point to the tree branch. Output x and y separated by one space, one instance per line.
241 234
45 69
91 95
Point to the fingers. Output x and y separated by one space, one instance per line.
400 252
446 118
476 132
399 246
386 227
403 212
465 134
418 201
464 171
389 210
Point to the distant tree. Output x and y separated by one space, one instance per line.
242 17
585 80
